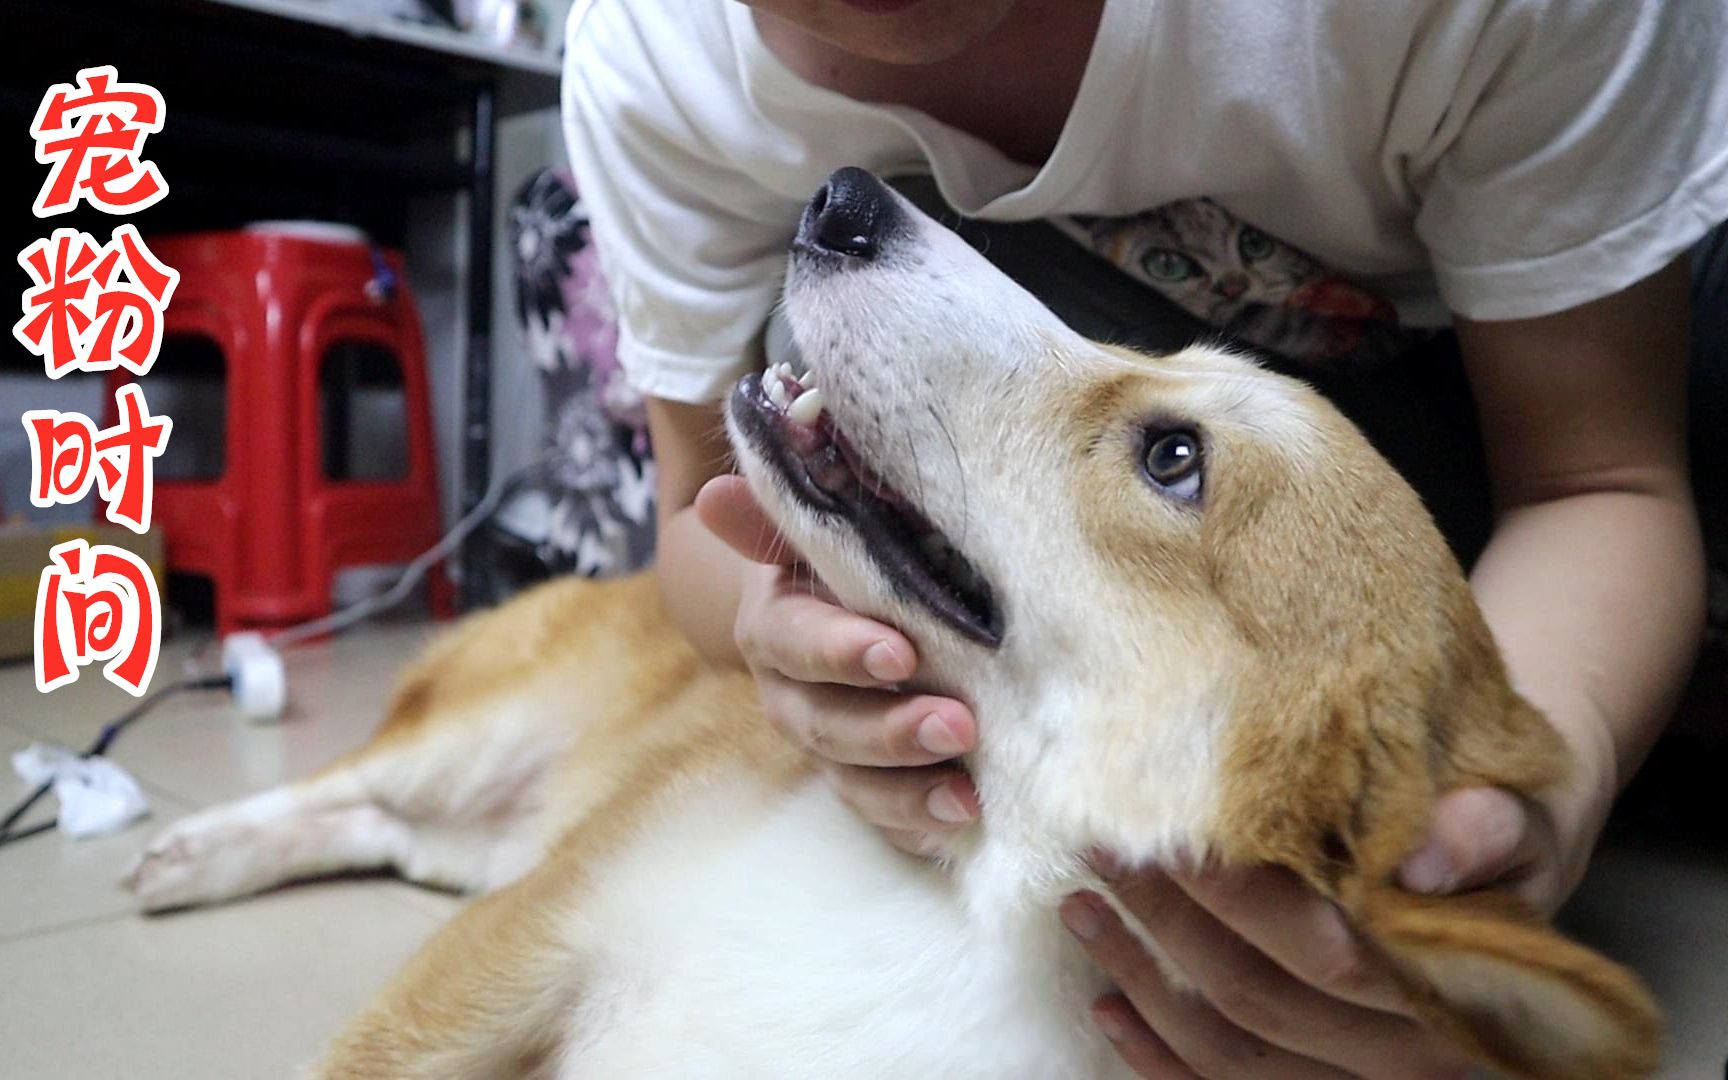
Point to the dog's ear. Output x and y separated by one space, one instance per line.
1481 966
1484 971
1373 686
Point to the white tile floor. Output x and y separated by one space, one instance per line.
90 989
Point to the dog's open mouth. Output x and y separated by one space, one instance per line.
783 415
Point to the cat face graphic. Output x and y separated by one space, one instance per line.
1203 258
1246 283
1172 267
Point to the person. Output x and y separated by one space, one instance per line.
1351 189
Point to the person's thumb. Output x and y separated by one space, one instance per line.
1477 836
726 506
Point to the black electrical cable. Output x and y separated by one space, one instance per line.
104 740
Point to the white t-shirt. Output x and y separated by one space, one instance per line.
1500 159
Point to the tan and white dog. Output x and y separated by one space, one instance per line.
1196 615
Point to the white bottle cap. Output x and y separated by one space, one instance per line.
260 682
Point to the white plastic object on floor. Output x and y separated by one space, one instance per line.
96 796
260 682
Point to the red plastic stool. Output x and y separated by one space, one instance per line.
285 306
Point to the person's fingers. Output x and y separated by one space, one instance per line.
913 842
935 798
1476 836
729 510
866 727
1141 1049
807 639
1275 911
1185 1023
1244 985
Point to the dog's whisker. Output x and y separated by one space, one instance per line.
917 469
959 471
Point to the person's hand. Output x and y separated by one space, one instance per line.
1281 987
827 679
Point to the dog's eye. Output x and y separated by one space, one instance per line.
1172 463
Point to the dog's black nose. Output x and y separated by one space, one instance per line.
849 215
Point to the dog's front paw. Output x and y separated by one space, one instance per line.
197 860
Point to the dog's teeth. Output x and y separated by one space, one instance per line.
808 379
777 393
806 407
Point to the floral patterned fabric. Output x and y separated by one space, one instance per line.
590 509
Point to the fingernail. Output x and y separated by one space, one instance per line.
1110 1025
945 805
1105 863
940 736
1429 871
884 663
1081 918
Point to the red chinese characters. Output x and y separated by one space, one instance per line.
97 603
94 308
92 134
65 446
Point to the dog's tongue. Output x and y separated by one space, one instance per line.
807 440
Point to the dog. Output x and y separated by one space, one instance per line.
1198 617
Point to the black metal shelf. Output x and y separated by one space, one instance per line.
280 108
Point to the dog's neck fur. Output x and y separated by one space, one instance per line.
1030 848
1027 852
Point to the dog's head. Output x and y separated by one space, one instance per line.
1197 614
1167 573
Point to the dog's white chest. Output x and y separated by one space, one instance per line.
796 943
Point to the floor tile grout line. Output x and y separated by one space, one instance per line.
83 923
151 785
376 890
163 791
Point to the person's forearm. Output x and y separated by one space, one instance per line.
699 579
699 575
1596 600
